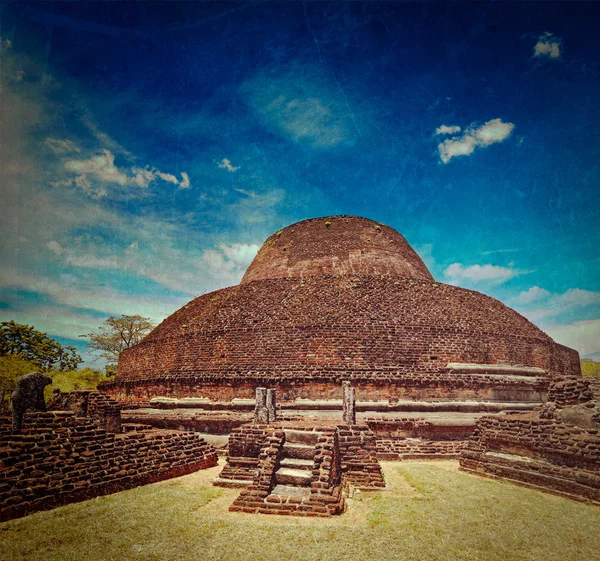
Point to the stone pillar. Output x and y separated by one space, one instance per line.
261 414
349 403
112 420
271 406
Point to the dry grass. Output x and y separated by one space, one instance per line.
431 512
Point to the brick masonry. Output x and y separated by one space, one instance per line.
555 449
58 458
344 456
346 301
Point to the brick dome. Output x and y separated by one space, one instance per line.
342 298
336 245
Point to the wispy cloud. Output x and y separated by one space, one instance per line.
489 133
492 251
5 44
226 164
101 168
492 274
61 146
304 110
548 46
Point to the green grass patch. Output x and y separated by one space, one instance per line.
451 516
590 367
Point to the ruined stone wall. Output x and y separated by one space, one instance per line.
58 459
540 453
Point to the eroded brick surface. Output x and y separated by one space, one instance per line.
58 458
345 301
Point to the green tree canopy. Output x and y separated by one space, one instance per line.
118 334
31 345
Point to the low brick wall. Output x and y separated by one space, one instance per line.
416 448
358 453
58 458
540 453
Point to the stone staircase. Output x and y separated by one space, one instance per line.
296 460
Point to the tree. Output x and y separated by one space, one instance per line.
29 344
118 334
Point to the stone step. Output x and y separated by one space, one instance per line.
296 477
291 491
297 463
301 437
299 451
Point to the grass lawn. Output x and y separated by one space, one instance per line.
431 512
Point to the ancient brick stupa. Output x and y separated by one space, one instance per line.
345 298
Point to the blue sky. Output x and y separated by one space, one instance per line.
148 149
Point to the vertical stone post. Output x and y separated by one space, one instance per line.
261 414
271 406
112 420
349 403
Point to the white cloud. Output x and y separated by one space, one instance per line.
102 166
584 336
548 46
230 262
537 303
226 164
489 133
185 181
61 146
447 130
534 294
481 273
240 253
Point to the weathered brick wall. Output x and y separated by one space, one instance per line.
406 448
405 438
570 392
391 337
58 459
89 403
391 385
358 453
541 453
